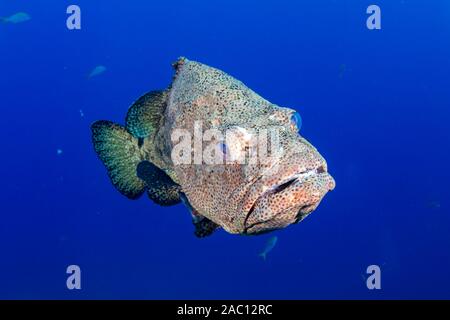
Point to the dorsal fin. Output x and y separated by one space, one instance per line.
144 116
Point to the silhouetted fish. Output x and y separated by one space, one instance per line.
269 246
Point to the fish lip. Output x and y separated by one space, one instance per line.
277 214
295 177
246 228
301 176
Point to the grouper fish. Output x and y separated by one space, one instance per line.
157 152
16 18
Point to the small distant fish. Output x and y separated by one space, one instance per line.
342 70
240 197
16 18
98 70
434 204
269 246
59 152
81 113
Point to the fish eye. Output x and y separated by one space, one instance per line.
223 148
296 120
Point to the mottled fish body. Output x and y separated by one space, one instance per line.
241 197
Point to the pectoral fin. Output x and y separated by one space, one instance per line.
160 188
204 227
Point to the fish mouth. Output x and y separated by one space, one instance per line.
294 210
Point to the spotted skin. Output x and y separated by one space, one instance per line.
249 197
241 198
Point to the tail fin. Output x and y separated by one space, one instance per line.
120 153
3 20
263 255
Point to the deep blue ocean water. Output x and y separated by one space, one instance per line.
374 102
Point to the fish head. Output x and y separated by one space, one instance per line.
268 176
287 178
